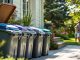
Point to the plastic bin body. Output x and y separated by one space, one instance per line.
29 46
37 46
46 42
14 45
10 38
22 42
23 45
5 39
26 42
29 43
38 42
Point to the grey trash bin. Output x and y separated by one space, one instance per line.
22 42
9 36
46 42
29 44
26 41
38 42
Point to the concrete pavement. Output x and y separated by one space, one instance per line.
69 52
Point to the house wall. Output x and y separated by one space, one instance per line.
35 8
19 8
37 13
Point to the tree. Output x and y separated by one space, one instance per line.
74 11
56 11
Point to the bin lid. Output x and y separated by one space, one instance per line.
29 30
6 11
20 27
25 29
47 31
37 30
8 27
11 27
2 26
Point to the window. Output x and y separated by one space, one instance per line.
1 1
25 7
8 1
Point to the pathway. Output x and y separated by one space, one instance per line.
70 52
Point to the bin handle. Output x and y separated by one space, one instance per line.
35 36
28 36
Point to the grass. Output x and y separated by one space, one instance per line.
10 58
71 41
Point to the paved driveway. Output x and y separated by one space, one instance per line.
70 52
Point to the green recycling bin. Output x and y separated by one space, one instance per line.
46 42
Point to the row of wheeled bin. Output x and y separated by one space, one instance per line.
20 41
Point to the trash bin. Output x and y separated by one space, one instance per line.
29 45
26 41
38 42
22 42
9 36
46 42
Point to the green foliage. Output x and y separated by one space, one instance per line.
27 20
74 13
11 58
73 1
63 36
56 11
71 41
53 46
13 21
71 35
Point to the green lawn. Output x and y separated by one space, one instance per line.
71 41
1 58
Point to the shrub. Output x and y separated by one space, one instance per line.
65 37
71 35
53 46
13 21
26 20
